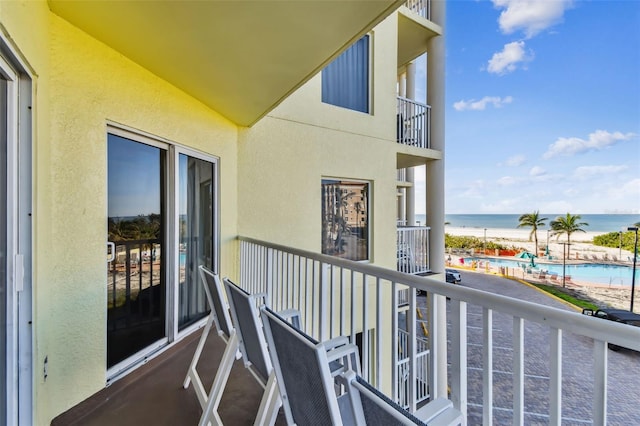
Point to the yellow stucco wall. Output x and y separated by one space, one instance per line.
81 85
270 177
283 158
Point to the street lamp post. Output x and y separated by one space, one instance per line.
485 241
564 262
548 252
620 247
635 255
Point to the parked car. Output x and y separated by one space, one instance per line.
617 315
453 276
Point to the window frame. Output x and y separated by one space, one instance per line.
369 78
366 230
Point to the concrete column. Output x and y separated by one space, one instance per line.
435 178
411 191
411 81
402 214
402 85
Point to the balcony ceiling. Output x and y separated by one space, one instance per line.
414 33
241 58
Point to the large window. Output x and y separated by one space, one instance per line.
345 81
345 219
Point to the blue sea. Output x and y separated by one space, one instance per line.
597 222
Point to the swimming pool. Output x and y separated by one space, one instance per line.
590 272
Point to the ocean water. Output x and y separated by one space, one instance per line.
597 222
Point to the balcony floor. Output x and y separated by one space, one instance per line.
153 394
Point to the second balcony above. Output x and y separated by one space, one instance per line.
413 123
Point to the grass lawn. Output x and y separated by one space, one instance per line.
566 296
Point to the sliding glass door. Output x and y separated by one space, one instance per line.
4 383
196 230
136 295
162 225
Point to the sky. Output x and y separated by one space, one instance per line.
542 107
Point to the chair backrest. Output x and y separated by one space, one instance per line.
246 316
371 407
302 372
216 300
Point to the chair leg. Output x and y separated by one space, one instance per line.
192 374
210 411
270 403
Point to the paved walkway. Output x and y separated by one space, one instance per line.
624 366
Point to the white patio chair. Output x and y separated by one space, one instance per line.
246 316
305 371
219 316
371 407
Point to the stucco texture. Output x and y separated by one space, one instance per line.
80 86
283 158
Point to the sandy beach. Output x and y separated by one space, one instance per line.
582 250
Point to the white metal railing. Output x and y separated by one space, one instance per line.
341 297
412 248
422 368
421 7
413 123
402 175
403 296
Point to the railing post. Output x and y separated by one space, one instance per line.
411 328
268 279
600 382
394 340
518 371
487 366
322 305
555 385
459 355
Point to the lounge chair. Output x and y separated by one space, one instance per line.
371 407
304 377
219 316
246 316
310 388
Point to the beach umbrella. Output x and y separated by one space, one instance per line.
525 255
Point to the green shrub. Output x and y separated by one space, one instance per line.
467 243
612 239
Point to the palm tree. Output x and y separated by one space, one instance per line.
567 225
534 221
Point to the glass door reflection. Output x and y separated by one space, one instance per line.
136 297
196 179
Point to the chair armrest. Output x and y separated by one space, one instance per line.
335 342
293 316
349 355
433 409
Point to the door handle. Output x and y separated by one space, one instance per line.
111 251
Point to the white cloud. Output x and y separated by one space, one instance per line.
597 140
516 160
629 190
481 105
474 189
530 16
585 172
507 181
537 171
508 59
